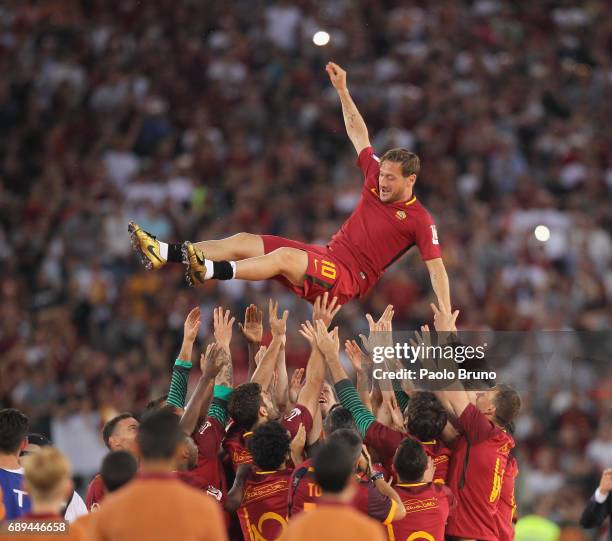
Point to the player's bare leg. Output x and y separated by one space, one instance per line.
234 248
288 262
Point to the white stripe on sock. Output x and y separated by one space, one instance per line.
209 269
233 264
163 250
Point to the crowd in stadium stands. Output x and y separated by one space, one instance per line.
202 119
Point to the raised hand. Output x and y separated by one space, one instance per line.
324 311
296 384
327 342
212 360
192 325
252 328
380 331
278 326
444 320
223 323
358 358
307 330
337 75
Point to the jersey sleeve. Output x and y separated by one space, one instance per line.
298 415
350 400
95 492
380 507
369 163
475 425
383 440
178 384
426 237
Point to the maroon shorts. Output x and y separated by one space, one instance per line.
324 272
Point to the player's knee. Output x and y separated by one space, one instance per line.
290 260
247 245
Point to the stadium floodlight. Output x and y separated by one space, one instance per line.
542 233
320 38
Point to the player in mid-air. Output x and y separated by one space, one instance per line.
387 222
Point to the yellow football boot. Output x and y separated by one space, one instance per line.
147 247
196 268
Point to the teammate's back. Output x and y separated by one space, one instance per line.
159 507
333 521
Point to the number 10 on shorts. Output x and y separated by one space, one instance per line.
328 269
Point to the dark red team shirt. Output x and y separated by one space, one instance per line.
385 441
95 492
368 500
427 510
506 510
235 442
263 513
376 234
478 498
208 474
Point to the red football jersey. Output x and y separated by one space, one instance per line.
235 445
376 234
385 441
506 509
304 495
477 485
208 475
95 492
427 509
263 513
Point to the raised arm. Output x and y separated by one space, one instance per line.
182 365
439 282
210 364
252 330
355 125
454 397
265 370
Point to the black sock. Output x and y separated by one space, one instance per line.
175 253
222 270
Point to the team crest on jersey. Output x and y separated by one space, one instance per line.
214 492
400 215
294 413
205 426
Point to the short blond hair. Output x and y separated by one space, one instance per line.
45 471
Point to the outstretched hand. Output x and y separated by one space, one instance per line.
192 325
444 319
212 361
278 326
252 328
358 358
325 311
223 323
327 342
337 75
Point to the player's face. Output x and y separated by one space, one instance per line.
273 413
484 402
326 399
124 435
393 186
